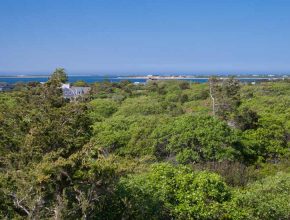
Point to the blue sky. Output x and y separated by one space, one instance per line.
145 36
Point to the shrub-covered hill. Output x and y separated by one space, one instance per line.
163 150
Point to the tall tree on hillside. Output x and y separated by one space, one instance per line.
225 95
213 92
58 76
53 91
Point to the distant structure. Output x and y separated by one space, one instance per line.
73 92
6 87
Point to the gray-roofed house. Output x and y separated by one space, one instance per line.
73 92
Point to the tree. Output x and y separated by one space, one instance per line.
52 89
213 92
130 135
246 119
225 96
58 76
268 142
195 139
265 199
167 192
184 85
102 108
80 83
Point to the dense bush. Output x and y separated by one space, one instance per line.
265 199
195 139
174 192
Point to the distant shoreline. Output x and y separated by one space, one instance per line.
193 78
134 79
24 76
150 77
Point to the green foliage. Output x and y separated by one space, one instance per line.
266 199
141 105
102 108
184 85
225 96
58 76
269 141
11 127
196 139
80 83
127 135
118 154
174 192
246 119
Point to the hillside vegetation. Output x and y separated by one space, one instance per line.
156 151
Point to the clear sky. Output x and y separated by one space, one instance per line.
145 36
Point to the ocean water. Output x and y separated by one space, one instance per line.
91 79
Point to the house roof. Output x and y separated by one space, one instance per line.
75 91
